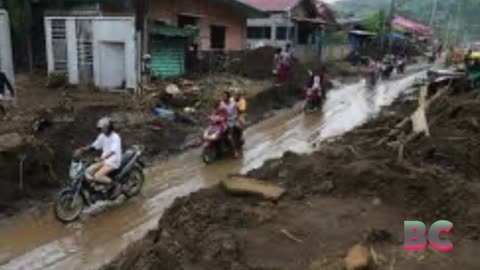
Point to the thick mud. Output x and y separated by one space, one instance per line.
56 132
38 241
353 190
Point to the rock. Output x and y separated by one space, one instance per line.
377 202
10 140
326 187
243 185
283 173
173 90
358 258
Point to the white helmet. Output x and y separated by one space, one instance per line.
104 122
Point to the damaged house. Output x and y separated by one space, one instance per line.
93 44
107 44
300 23
180 29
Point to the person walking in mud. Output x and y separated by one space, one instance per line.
277 61
285 64
5 85
110 143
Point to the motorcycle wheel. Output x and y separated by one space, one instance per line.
209 155
135 182
68 207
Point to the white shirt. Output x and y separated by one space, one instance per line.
109 144
231 108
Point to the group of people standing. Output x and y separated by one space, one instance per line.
384 68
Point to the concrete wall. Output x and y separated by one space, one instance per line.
274 21
208 13
113 30
6 63
335 52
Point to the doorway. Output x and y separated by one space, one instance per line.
217 37
112 65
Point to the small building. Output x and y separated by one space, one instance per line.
6 63
208 27
222 24
93 49
297 22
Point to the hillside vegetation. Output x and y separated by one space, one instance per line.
458 18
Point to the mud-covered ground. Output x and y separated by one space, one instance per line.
353 190
54 122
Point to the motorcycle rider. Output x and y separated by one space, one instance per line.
314 86
230 106
110 143
372 72
241 103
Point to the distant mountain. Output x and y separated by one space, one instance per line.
454 18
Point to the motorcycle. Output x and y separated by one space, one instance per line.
82 192
217 141
313 101
387 70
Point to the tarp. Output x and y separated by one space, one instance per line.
170 30
397 36
410 26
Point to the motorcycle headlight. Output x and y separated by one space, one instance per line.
75 168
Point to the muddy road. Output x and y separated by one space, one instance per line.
37 241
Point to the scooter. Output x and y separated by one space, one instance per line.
313 101
387 70
82 191
217 141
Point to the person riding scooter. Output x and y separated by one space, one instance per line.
218 123
241 122
230 106
388 65
314 91
372 73
110 143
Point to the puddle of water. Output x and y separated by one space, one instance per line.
44 243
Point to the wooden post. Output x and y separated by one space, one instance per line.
28 33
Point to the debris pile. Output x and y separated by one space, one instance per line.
358 189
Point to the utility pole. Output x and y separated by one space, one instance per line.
434 14
390 28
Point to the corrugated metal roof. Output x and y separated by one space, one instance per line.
411 26
272 5
322 10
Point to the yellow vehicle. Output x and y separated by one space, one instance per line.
472 65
